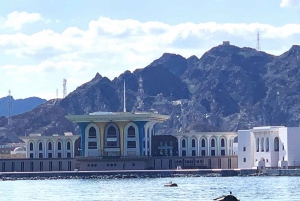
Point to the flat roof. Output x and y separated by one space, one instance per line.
50 137
266 128
119 116
204 133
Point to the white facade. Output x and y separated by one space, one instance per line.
268 147
206 143
55 146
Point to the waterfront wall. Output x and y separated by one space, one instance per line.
37 165
281 172
118 174
113 163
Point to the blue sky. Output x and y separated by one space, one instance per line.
43 42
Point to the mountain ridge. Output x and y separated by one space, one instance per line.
19 106
227 89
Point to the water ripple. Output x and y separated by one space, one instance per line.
190 188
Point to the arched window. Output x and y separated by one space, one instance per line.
112 132
267 144
92 132
59 145
49 145
202 143
31 146
212 143
193 143
276 144
131 132
111 137
68 145
40 146
222 142
262 144
257 144
183 143
202 148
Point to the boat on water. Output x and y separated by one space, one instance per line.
171 184
229 197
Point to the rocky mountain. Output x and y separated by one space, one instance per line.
227 89
19 106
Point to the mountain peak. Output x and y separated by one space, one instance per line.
97 77
295 49
175 63
294 52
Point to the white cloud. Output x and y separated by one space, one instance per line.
17 19
290 3
112 46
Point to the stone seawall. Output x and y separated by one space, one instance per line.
281 172
118 174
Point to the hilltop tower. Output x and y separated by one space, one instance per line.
64 88
9 106
257 42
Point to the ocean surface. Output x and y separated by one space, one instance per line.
189 188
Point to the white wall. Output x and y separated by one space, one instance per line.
289 144
283 143
293 145
245 140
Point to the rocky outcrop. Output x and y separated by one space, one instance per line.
97 95
176 64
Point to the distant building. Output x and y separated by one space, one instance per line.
8 148
164 145
226 42
19 151
269 147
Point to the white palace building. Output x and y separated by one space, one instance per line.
206 143
269 147
55 146
274 147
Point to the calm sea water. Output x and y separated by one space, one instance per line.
189 188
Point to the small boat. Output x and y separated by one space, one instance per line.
170 184
229 197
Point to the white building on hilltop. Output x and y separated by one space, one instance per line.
269 147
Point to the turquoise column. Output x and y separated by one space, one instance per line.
82 127
140 125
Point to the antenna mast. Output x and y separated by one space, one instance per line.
64 88
257 42
9 107
124 109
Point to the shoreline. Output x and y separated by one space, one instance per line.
118 174
125 174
